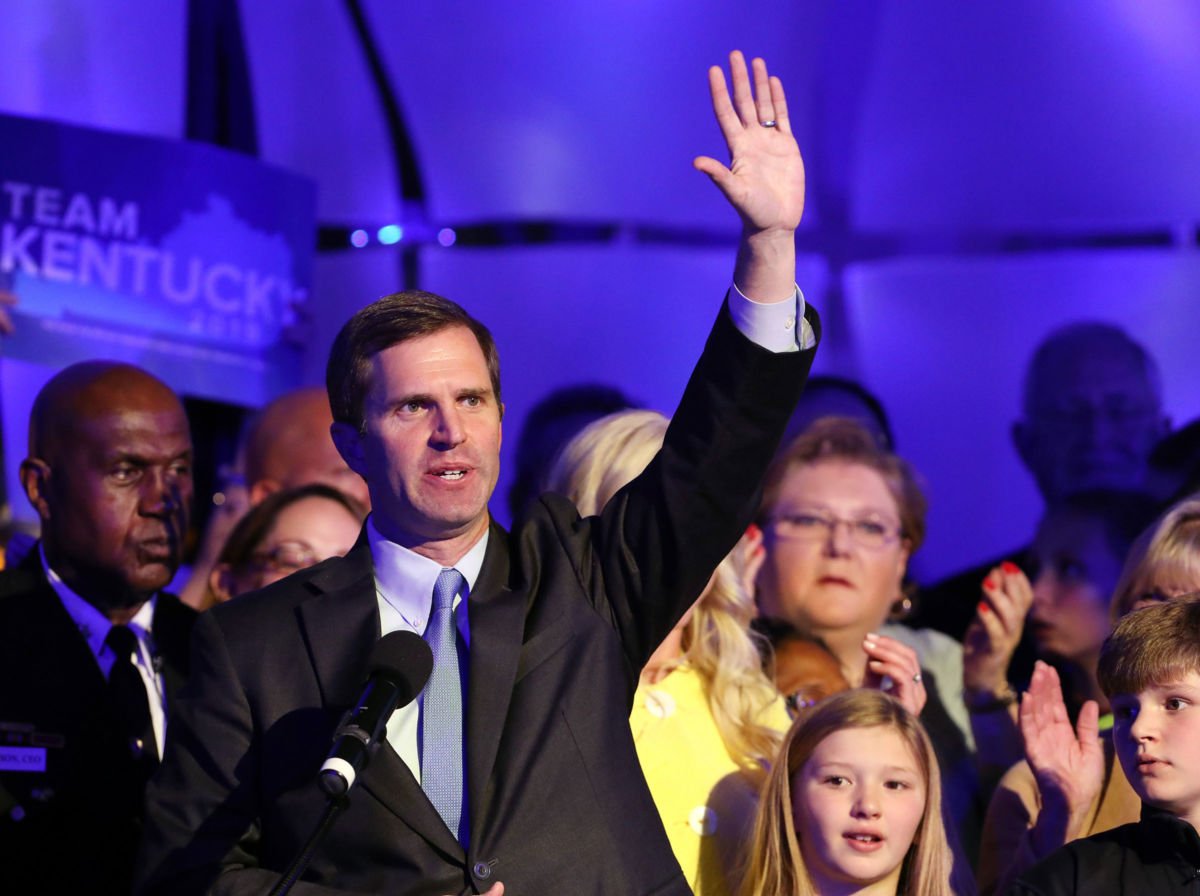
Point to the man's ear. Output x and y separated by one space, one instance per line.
220 582
348 442
262 489
35 480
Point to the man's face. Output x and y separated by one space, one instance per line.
116 497
1157 737
431 450
1092 424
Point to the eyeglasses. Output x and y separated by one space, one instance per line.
807 525
285 556
1118 412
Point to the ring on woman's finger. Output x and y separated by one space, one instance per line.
917 678
769 123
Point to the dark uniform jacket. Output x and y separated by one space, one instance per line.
70 790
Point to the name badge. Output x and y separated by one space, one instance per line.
22 759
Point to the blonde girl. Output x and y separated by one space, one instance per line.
853 805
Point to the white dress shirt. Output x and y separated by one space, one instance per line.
404 583
94 625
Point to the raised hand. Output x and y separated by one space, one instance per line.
1068 763
889 659
993 634
764 181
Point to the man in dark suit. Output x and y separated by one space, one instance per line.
536 789
91 650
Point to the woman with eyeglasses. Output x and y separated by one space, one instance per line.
286 531
841 516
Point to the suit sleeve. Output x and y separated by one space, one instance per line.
199 810
201 830
650 553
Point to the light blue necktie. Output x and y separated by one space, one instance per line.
441 706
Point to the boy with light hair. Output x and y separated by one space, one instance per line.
1150 670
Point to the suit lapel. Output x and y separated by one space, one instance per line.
172 635
497 617
61 668
341 625
340 622
52 638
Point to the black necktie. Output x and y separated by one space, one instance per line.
128 692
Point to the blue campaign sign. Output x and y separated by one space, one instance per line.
187 258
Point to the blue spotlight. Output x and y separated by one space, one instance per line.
359 238
390 234
446 236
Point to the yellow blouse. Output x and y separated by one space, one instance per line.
707 806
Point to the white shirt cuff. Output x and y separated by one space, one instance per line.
778 327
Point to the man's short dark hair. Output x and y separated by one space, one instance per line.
386 322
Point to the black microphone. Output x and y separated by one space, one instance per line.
399 664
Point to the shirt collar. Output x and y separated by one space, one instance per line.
405 579
93 625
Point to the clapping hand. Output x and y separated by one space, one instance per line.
995 631
1068 763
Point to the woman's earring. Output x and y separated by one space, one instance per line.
901 608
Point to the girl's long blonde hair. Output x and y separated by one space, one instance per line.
776 864
717 642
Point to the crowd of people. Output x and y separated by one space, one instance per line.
697 663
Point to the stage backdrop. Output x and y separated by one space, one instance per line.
190 261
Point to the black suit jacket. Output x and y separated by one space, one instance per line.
75 826
563 616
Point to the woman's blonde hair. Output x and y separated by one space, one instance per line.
776 864
1166 554
717 643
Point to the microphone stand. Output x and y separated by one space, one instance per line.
334 806
400 664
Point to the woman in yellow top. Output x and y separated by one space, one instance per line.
705 718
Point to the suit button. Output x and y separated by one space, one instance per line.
482 870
